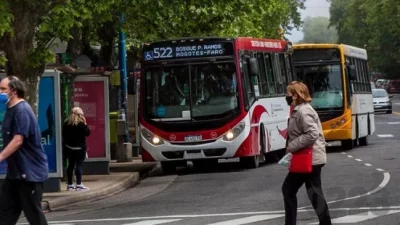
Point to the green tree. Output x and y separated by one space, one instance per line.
370 24
317 30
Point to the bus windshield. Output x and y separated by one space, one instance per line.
324 83
191 92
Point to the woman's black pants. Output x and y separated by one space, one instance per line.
75 161
291 186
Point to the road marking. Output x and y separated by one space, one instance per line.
153 222
361 216
380 170
378 208
385 181
350 156
384 135
358 160
367 164
247 220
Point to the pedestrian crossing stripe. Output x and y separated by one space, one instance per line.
153 222
248 219
361 217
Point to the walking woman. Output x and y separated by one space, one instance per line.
75 131
304 130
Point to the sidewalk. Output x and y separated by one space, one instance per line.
122 176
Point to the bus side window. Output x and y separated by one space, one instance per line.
270 74
248 87
284 70
289 66
263 75
350 88
278 74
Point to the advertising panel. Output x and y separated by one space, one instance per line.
46 112
90 94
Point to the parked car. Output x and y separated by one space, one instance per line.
382 101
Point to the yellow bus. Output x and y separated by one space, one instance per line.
338 78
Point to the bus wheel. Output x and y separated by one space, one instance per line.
251 162
168 167
347 144
363 141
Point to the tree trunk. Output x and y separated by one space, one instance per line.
32 89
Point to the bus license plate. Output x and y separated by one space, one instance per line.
193 138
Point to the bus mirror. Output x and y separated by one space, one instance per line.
253 67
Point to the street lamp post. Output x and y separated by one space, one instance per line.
123 74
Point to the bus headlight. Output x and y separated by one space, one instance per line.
338 123
149 136
234 132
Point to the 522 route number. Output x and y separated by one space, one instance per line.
161 53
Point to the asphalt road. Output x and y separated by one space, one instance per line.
361 186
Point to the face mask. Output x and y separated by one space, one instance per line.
3 98
289 100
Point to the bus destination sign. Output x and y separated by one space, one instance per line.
187 50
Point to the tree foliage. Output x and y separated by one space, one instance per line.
317 30
370 24
169 19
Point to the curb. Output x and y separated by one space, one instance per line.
124 183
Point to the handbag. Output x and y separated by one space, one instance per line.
302 161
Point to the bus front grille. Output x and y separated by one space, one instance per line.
325 115
212 152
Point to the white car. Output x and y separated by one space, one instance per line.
382 101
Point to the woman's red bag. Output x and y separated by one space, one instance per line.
302 161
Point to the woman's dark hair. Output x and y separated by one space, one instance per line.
17 85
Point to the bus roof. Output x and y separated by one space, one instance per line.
241 41
348 50
189 39
355 52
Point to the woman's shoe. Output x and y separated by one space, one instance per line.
70 187
81 187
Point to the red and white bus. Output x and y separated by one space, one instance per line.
204 99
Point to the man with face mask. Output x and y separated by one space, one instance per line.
22 189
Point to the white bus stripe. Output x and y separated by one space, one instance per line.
250 219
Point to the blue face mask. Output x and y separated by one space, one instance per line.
3 98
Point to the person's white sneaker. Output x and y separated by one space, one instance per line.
81 187
70 187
